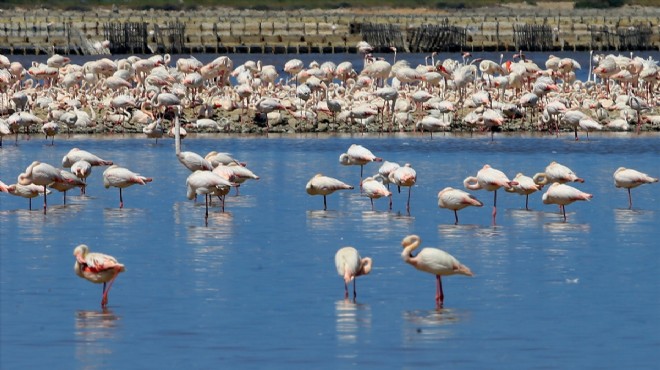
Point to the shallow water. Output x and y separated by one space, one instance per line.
257 287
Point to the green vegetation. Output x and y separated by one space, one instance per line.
295 4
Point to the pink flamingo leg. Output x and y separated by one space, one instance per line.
494 207
629 199
121 199
45 202
104 300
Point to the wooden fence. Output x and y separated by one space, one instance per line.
636 37
170 39
442 37
127 37
532 37
382 36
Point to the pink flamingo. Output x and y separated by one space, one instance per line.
324 185
42 174
404 176
207 183
525 186
358 155
434 261
26 191
374 189
121 177
563 195
97 268
456 199
350 265
629 178
74 155
556 172
490 179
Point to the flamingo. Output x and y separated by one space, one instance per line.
563 195
64 186
434 261
26 191
121 177
456 199
82 169
324 185
358 155
350 265
556 172
374 189
217 159
74 155
97 268
42 174
194 161
50 129
207 183
629 178
525 186
404 176
490 179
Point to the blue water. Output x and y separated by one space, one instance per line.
257 287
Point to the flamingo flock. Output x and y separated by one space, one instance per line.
449 95
145 94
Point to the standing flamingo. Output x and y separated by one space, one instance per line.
490 179
563 195
434 261
42 174
121 177
556 172
74 155
358 155
26 191
209 184
525 186
629 178
97 268
350 265
404 176
456 199
374 189
324 185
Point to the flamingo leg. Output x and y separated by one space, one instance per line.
45 202
494 206
408 204
527 202
563 212
121 199
354 291
104 300
390 202
325 204
439 295
629 199
372 203
206 214
345 290
30 203
456 217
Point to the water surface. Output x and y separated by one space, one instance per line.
257 287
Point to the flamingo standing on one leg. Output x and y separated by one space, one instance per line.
434 261
350 265
97 268
629 178
556 172
358 155
324 185
490 179
26 191
525 186
563 195
456 199
121 177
